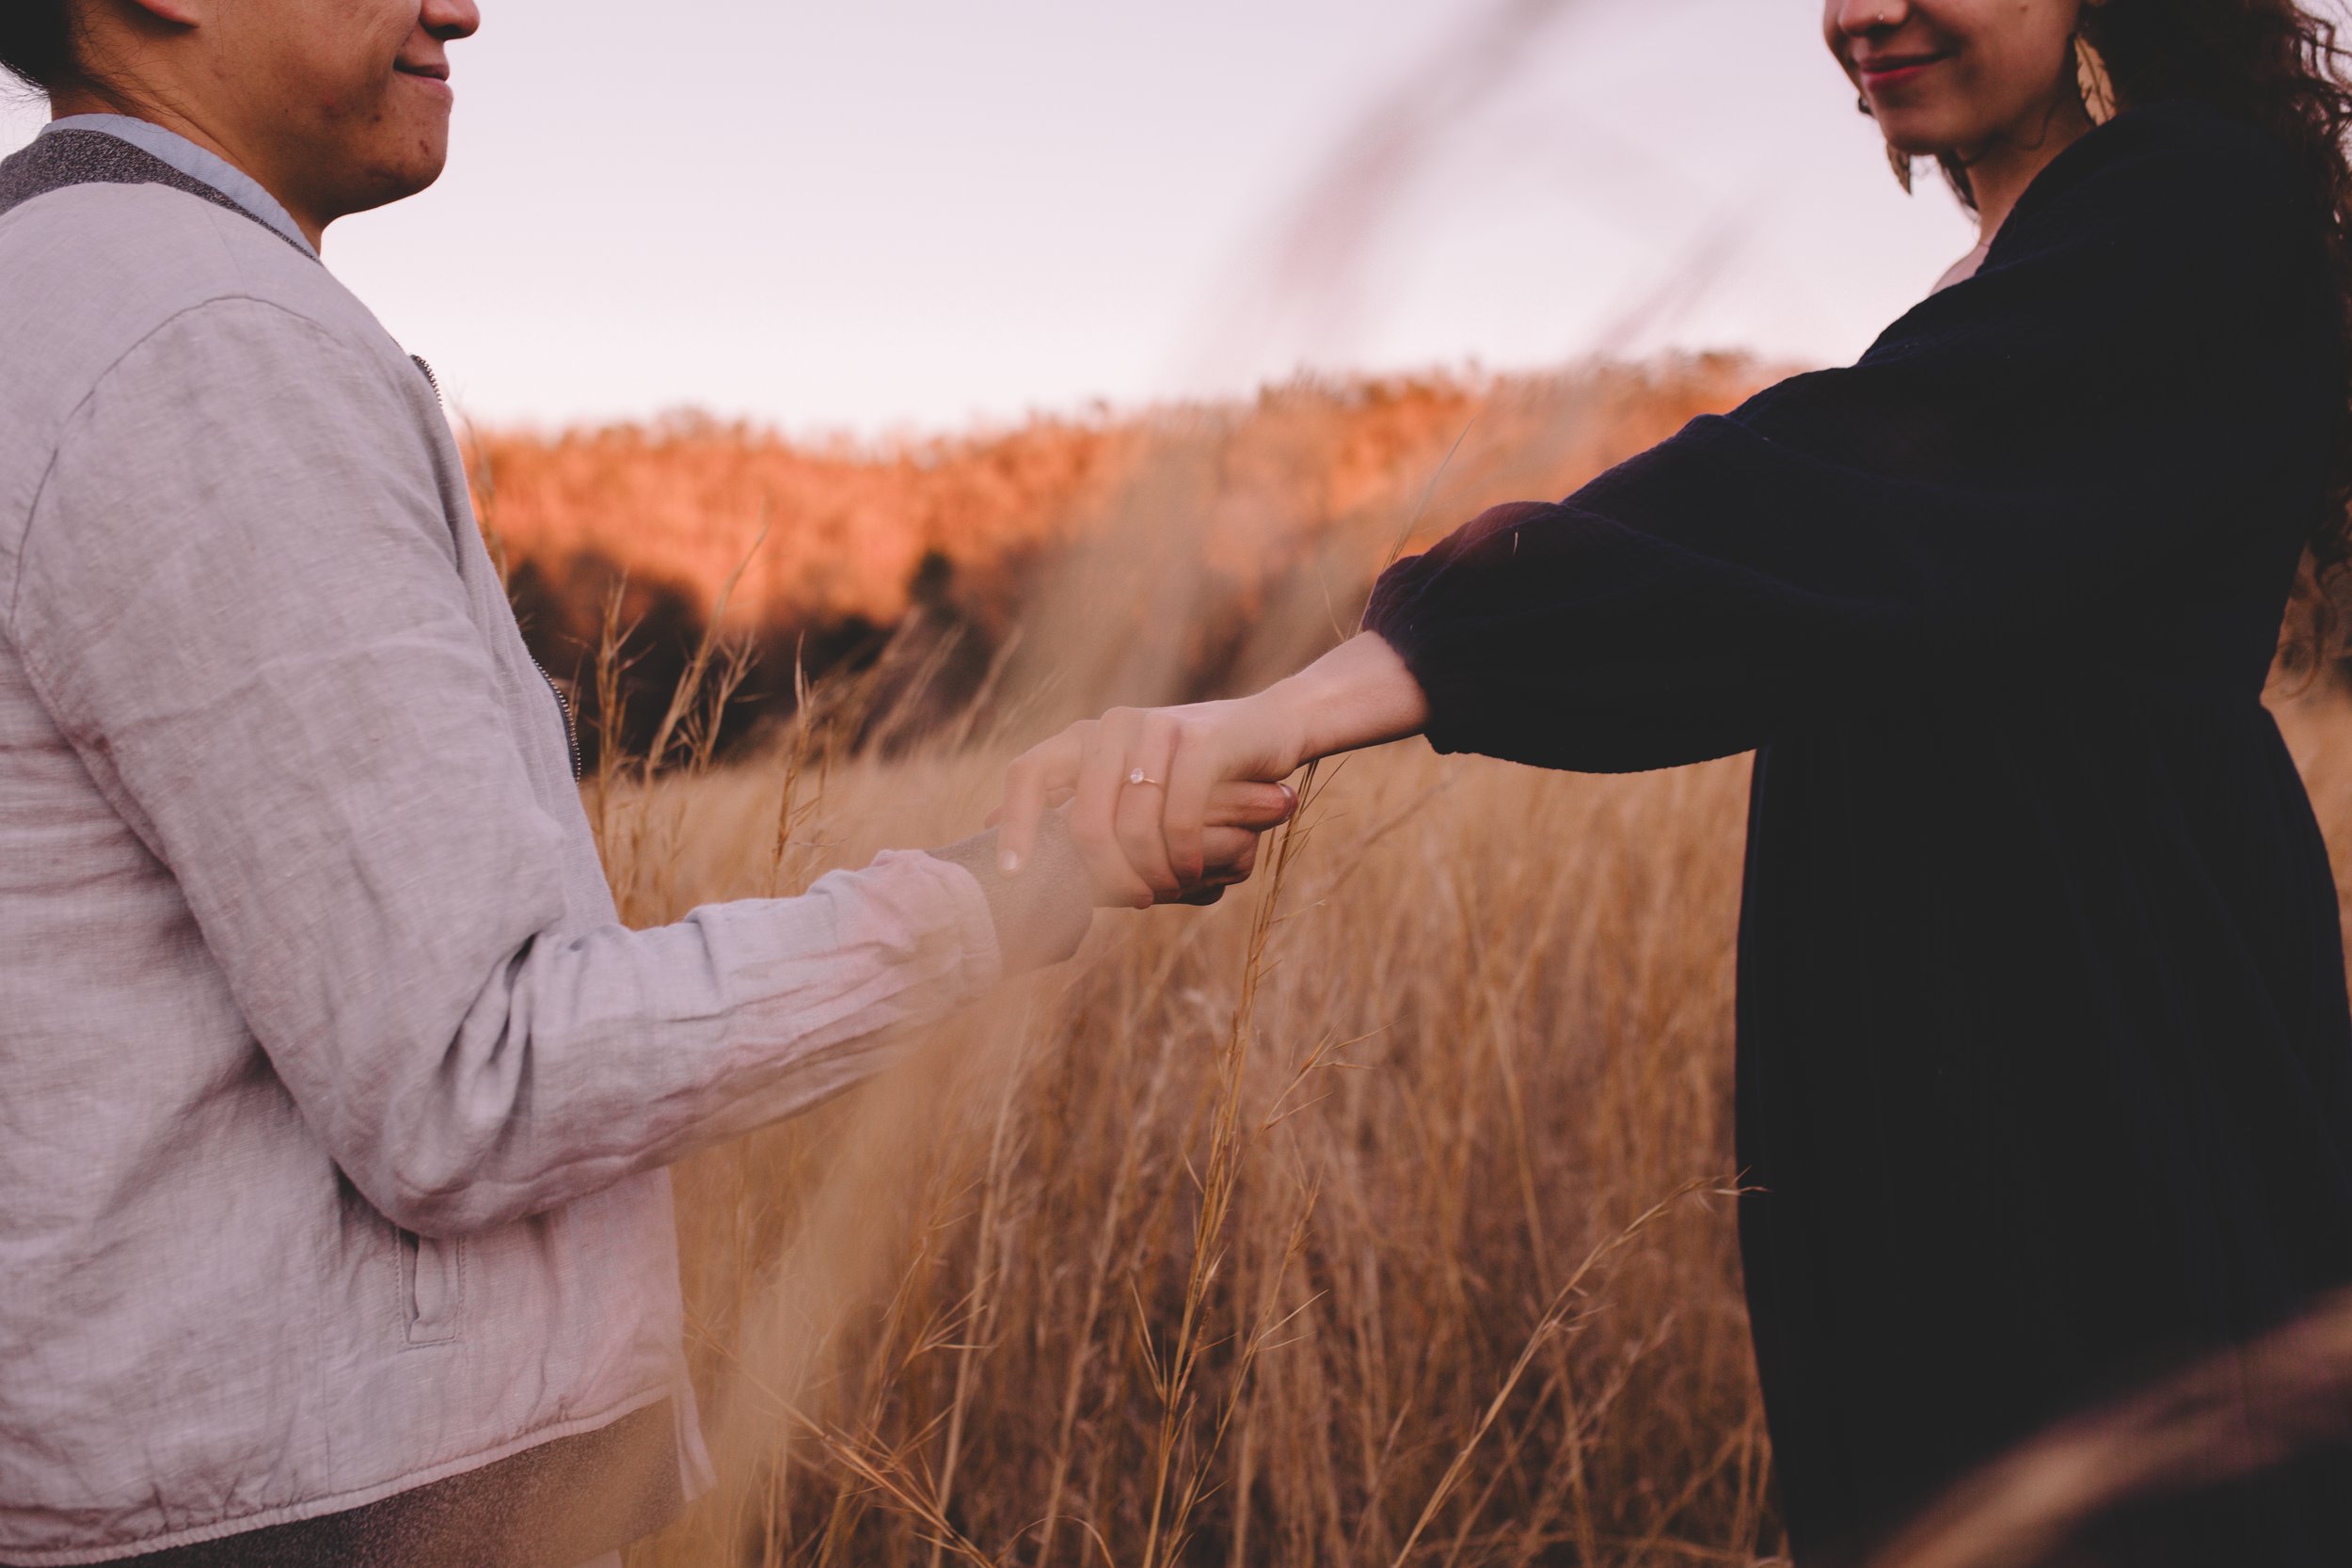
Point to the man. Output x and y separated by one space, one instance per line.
334 1100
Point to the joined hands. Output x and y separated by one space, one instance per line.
1166 805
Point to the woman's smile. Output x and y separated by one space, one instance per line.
1883 72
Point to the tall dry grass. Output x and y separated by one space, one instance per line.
1379 1215
1317 1228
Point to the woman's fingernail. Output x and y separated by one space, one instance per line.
1008 862
1288 793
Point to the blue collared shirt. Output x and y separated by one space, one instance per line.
192 161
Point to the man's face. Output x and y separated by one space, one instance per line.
347 100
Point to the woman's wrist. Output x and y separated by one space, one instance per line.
1359 694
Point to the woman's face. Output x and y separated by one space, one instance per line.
1957 75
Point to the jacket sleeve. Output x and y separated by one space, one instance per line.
239 598
2125 410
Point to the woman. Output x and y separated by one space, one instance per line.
335 1100
2045 1067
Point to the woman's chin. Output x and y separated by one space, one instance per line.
1920 146
1921 133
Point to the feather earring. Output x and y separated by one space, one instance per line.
2092 82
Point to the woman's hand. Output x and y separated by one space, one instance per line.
1141 781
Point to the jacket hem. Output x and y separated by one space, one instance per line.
313 1507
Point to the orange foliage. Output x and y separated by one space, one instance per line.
682 501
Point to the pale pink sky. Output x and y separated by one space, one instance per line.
916 213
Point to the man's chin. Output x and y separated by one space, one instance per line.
396 178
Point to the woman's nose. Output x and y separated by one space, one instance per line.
1857 18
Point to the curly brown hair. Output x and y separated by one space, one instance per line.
2279 65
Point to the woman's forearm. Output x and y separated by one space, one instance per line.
1359 694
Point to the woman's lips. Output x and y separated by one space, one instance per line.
1893 72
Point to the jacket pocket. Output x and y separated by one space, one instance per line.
432 1287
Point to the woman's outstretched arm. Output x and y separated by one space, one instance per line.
2044 468
1359 694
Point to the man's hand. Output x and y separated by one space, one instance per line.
1239 814
1042 916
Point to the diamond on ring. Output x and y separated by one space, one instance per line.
1138 777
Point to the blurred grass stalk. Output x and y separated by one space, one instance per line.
1253 1236
2234 1416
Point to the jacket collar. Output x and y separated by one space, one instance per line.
171 148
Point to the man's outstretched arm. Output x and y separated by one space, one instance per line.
239 598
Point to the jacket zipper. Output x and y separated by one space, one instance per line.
571 726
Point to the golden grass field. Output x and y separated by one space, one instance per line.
1378 1216
1117 1272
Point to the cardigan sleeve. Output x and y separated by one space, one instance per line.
2135 391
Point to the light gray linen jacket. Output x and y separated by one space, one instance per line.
334 1100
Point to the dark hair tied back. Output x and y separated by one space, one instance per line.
36 41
